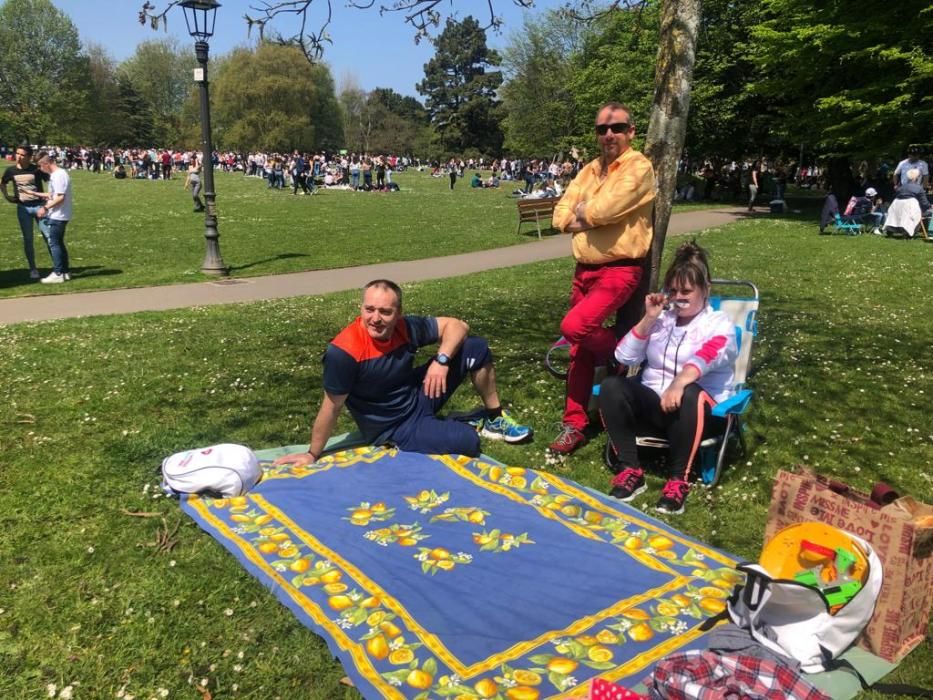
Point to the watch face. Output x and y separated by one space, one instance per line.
442 359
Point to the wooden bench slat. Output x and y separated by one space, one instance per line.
535 210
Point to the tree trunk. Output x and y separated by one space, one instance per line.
667 129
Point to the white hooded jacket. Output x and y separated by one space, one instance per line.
707 342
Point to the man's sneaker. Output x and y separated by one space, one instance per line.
504 427
673 496
34 274
68 277
876 231
627 484
568 440
54 278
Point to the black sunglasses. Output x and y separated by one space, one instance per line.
617 128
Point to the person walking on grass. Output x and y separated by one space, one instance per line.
27 181
370 367
193 182
54 216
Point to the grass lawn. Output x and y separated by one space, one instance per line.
843 383
136 233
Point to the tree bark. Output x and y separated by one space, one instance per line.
667 129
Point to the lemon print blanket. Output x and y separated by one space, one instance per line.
452 577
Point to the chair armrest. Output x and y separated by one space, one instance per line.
735 405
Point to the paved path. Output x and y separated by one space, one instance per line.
176 296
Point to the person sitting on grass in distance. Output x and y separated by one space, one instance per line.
689 351
369 367
476 180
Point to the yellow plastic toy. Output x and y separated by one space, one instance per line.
784 556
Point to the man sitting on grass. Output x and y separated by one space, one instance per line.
370 367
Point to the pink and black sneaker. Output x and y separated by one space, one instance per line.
627 484
673 497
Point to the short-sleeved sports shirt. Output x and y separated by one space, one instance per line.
378 377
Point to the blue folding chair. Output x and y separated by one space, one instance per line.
743 311
849 225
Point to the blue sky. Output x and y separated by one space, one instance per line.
376 51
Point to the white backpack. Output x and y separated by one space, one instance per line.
219 470
793 619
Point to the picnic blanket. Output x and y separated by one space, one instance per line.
439 576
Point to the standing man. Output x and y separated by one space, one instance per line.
27 182
607 210
911 161
369 367
57 214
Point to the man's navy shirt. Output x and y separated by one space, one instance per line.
378 377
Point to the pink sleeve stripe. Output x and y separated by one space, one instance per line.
711 348
637 335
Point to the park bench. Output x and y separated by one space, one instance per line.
536 210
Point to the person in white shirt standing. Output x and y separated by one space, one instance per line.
54 216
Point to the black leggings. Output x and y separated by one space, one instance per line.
628 408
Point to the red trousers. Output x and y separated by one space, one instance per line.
597 293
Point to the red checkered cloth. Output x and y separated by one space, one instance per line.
706 675
604 690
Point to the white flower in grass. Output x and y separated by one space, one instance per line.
237 667
228 612
51 689
163 692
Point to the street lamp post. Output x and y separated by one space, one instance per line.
200 16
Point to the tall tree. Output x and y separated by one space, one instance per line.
132 117
537 99
41 71
101 124
271 98
461 90
667 128
161 73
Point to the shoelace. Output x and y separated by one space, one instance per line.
675 489
627 477
566 435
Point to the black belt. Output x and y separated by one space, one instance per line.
625 262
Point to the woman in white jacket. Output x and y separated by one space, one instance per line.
688 351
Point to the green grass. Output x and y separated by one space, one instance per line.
91 406
136 233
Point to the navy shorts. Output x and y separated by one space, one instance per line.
423 431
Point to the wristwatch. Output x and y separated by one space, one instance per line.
442 359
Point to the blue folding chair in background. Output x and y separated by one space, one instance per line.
849 225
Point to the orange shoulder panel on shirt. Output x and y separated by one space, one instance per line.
356 342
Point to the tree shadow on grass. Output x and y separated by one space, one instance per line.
529 231
18 278
283 256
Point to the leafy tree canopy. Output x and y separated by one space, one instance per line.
41 71
460 91
539 105
852 78
271 98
